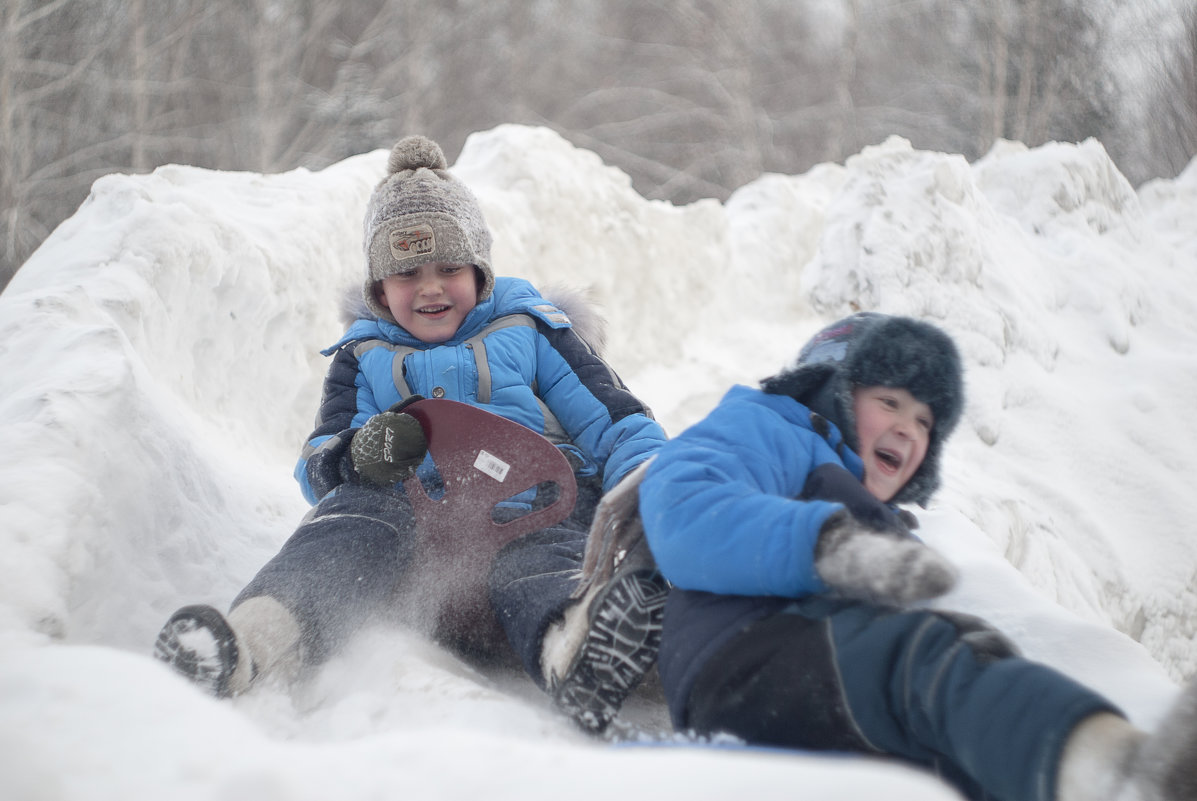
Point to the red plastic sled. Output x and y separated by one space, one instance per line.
483 460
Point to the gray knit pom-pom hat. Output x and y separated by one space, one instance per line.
868 350
419 214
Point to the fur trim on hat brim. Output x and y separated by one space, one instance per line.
800 382
914 355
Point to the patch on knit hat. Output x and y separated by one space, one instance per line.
410 243
420 214
870 349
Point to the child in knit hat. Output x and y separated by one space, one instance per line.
438 323
790 623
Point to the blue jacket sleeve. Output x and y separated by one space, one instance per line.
719 503
594 406
346 403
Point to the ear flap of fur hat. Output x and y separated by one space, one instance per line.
420 214
870 349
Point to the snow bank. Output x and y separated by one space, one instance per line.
160 369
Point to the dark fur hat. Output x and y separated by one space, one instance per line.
870 349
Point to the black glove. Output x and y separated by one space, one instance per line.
388 448
879 566
833 482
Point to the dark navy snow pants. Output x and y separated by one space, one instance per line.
349 563
940 690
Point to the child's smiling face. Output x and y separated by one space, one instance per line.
893 431
430 301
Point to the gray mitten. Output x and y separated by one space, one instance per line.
881 567
388 448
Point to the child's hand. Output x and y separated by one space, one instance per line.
881 567
833 482
388 448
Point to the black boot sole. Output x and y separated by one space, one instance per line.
620 648
198 644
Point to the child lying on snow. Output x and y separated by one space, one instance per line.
442 325
789 626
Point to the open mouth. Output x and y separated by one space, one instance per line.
432 311
888 459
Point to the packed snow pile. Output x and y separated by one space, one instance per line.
160 368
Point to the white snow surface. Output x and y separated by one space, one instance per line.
159 371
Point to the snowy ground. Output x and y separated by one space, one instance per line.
159 370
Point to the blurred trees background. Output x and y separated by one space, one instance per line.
692 98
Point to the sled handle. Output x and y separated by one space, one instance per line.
484 459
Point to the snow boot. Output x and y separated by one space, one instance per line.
1108 758
224 656
605 644
198 644
270 638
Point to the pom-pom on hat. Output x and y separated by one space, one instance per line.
869 350
419 214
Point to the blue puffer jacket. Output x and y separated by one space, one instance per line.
515 354
719 502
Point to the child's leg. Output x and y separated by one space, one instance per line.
339 569
530 587
930 688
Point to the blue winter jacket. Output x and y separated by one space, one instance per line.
515 354
719 502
